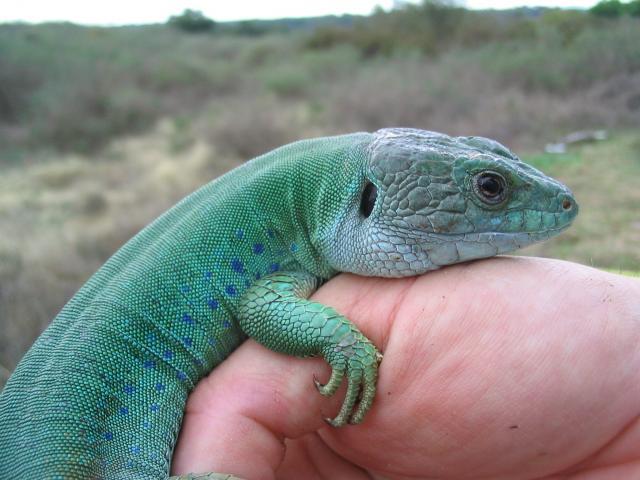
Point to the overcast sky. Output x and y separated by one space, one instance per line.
118 12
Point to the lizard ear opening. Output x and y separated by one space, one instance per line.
368 199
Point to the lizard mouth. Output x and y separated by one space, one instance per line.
526 238
454 248
518 239
487 237
507 242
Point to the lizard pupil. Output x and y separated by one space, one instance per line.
368 199
491 187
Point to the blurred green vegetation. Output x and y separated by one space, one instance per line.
73 88
616 8
192 21
101 129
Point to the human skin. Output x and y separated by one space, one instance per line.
508 368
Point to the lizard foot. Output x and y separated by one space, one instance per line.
275 311
357 359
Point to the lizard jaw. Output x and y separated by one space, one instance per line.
458 248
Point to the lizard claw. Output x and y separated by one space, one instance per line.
332 385
359 362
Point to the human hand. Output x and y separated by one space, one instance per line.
508 368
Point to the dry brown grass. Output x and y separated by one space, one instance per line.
63 219
243 128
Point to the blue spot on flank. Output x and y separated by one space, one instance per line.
108 436
226 324
185 288
160 387
240 233
270 233
186 318
181 376
123 410
294 247
188 341
258 248
129 389
155 407
213 304
231 290
237 266
135 449
167 355
149 364
274 267
258 276
208 275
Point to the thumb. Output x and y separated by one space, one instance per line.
237 418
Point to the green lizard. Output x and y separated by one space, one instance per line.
102 391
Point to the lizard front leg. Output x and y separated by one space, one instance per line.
276 313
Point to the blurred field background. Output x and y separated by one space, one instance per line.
102 129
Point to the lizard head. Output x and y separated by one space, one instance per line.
428 200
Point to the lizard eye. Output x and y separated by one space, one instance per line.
491 187
368 199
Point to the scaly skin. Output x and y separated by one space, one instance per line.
102 391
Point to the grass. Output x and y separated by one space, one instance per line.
66 216
102 129
627 273
607 231
63 218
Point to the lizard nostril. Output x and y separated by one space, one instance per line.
567 204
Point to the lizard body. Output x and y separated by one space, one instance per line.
102 391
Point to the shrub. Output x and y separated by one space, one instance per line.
88 115
247 127
17 82
287 81
250 29
569 24
633 8
428 27
328 37
192 21
608 8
